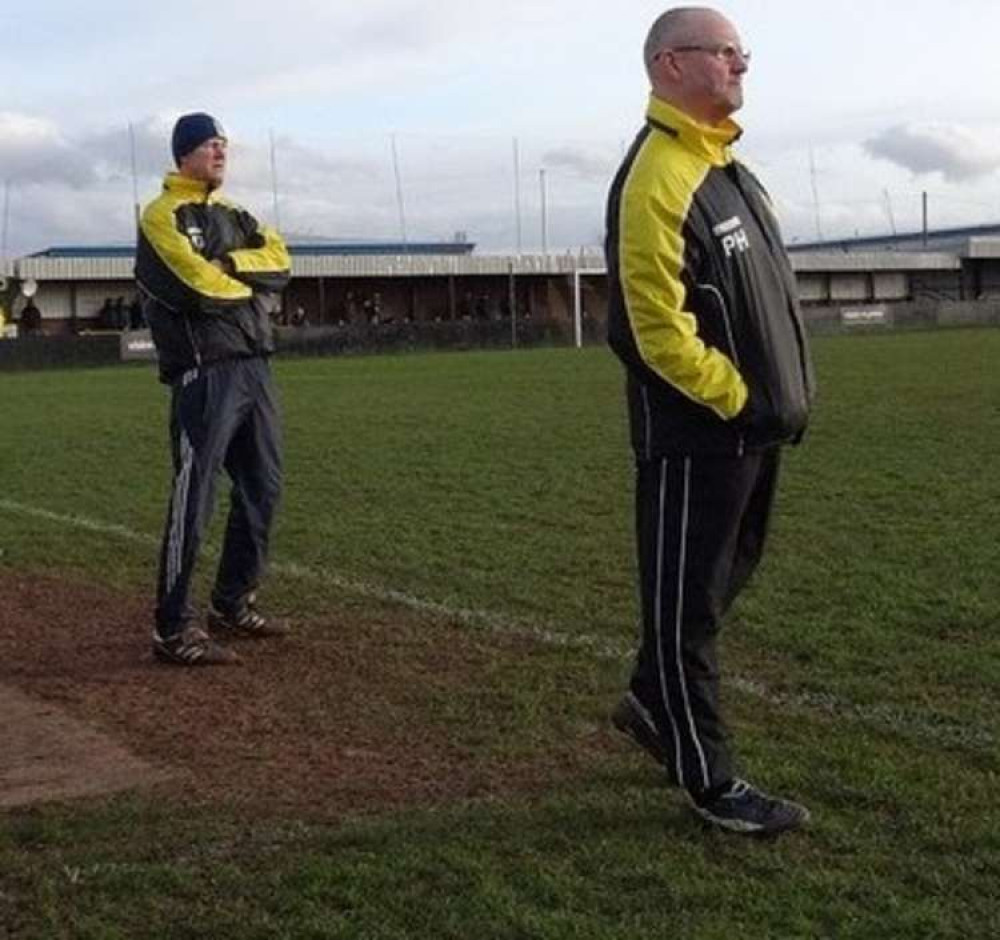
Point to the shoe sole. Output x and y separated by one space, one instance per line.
169 659
627 720
220 627
742 827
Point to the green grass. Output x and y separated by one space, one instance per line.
501 482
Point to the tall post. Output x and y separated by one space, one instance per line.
399 190
815 192
923 212
135 176
544 220
888 209
274 182
6 225
517 197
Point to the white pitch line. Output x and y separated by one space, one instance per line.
941 730
77 522
494 622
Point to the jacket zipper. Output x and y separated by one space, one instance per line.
728 323
194 346
734 173
734 352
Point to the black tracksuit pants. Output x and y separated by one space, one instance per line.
701 524
222 416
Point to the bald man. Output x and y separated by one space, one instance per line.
704 317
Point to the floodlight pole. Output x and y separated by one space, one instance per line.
517 197
274 182
545 235
399 189
815 193
6 225
135 176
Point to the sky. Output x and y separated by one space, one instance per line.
498 122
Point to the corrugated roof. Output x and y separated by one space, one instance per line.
120 267
935 240
295 248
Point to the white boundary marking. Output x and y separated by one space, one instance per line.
924 725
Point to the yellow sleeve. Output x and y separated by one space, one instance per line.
159 226
652 259
271 257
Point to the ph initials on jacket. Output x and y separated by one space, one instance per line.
733 235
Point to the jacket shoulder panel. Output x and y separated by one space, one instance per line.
178 252
655 204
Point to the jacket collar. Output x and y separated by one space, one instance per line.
187 188
711 143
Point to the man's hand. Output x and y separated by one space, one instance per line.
223 264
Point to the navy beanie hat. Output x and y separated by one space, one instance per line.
191 131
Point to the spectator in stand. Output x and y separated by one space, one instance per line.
135 318
31 317
105 316
351 311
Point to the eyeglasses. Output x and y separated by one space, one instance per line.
724 52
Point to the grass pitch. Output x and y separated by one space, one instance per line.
493 490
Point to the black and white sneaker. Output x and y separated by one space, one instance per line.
245 621
632 720
192 647
745 809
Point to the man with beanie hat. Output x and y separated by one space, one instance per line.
191 131
210 275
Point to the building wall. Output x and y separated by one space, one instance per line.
425 299
911 314
855 286
890 285
814 288
54 301
64 303
427 289
936 285
985 279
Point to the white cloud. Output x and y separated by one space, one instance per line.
581 162
456 81
340 189
958 153
32 150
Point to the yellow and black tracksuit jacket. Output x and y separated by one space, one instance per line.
198 313
703 310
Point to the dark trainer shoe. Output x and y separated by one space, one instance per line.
245 621
632 720
743 808
192 647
